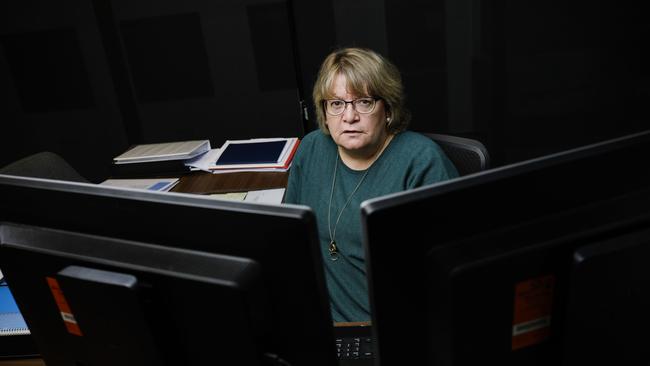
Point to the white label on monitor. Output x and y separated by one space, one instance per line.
530 326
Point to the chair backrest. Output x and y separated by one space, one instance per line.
44 164
468 155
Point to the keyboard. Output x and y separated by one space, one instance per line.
354 345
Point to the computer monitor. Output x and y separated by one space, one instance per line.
609 297
198 280
475 239
502 296
15 339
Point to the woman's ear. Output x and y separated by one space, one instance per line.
389 114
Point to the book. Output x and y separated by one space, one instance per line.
152 184
163 168
273 153
180 150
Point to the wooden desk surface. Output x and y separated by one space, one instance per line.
206 183
23 362
353 324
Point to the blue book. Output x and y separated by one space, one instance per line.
259 152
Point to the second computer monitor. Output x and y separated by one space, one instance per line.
446 262
608 301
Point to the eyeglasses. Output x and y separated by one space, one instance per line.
335 107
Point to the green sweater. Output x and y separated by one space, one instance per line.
409 161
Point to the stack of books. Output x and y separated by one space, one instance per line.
264 154
167 158
177 158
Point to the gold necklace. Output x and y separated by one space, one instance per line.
333 249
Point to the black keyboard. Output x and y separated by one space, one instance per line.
354 348
355 345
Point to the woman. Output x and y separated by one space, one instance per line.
362 150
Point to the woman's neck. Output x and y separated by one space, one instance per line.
363 162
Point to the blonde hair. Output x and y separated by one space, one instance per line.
366 73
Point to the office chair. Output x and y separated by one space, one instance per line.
468 155
43 165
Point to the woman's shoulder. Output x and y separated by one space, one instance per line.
316 139
416 141
315 142
313 137
423 151
417 147
413 136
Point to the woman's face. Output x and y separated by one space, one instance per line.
357 134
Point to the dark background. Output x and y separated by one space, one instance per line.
86 79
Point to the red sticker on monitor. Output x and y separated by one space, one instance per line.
532 311
64 308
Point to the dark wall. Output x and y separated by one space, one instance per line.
88 79
559 77
210 69
56 89
526 79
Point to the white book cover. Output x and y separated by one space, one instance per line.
179 150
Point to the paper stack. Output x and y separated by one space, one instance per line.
158 159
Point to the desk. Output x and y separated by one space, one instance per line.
23 362
206 183
353 324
